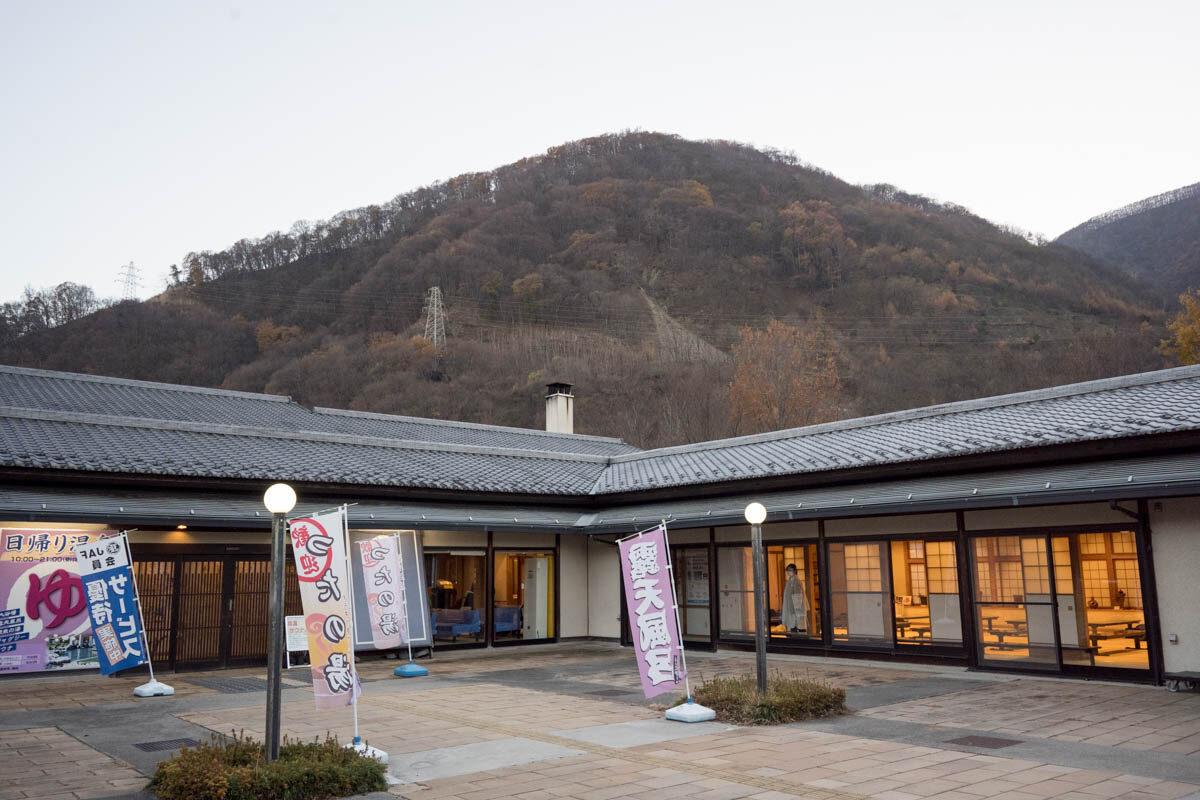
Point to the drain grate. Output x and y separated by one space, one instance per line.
989 742
231 685
165 744
613 692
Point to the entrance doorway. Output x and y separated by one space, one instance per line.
209 611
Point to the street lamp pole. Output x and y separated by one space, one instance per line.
755 514
279 500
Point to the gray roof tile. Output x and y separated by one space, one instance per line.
1133 405
55 420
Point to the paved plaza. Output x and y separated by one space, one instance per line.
568 721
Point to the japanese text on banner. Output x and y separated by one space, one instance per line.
104 568
650 598
383 582
44 623
319 547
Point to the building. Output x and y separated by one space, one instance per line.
1055 531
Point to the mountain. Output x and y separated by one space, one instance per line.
645 269
1157 239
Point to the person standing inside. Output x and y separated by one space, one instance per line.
794 614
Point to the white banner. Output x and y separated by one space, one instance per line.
319 547
383 582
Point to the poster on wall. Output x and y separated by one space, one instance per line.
695 573
44 622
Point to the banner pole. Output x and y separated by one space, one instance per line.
411 669
687 680
353 620
153 688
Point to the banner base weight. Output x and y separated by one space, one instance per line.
690 712
410 670
154 689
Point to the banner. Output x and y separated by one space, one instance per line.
44 622
104 566
319 547
383 581
650 598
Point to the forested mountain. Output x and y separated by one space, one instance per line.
645 269
1157 239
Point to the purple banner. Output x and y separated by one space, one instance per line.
650 598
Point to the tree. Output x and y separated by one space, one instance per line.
1184 344
784 377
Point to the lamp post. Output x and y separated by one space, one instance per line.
279 500
755 514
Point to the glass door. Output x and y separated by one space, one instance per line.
690 565
1014 609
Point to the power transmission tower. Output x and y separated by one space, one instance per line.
435 319
130 278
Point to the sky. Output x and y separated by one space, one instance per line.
138 132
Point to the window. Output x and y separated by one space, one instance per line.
457 596
523 596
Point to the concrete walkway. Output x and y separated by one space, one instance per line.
568 720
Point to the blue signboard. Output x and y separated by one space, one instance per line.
108 586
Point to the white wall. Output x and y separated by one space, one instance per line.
1175 537
905 523
1035 516
687 536
472 539
573 585
509 539
604 585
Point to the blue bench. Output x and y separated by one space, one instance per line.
507 619
454 622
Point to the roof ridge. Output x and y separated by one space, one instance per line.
449 423
926 412
174 387
184 426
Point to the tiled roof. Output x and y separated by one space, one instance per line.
54 420
1133 405
58 420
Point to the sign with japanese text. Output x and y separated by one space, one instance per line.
650 599
104 568
44 622
295 633
383 580
319 547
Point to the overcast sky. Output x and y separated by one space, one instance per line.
141 131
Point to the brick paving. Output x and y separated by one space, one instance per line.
1132 717
498 699
47 764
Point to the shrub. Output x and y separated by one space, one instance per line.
788 699
234 769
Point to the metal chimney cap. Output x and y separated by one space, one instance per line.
557 388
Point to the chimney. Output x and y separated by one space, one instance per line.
560 408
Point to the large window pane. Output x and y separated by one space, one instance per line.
1110 623
735 571
793 594
925 582
523 600
456 595
859 593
